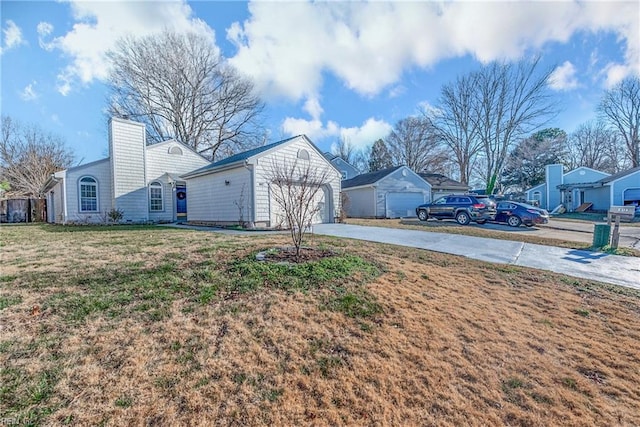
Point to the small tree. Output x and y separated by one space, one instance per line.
296 189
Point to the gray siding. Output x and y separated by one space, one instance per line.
618 187
99 170
598 196
401 180
210 199
287 153
583 175
361 202
127 142
162 159
348 169
554 175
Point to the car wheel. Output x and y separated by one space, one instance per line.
462 218
481 221
514 221
422 215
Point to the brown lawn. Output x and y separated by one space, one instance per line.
139 327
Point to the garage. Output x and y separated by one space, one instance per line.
632 196
388 193
403 204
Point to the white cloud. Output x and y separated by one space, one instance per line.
364 136
44 29
359 136
369 45
12 36
29 92
100 24
312 106
563 77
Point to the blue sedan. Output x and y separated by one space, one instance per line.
515 213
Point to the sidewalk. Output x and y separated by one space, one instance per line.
603 267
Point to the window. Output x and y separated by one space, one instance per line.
88 194
175 150
303 154
155 197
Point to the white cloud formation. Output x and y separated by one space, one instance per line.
44 29
369 45
359 136
563 77
364 136
100 24
12 36
29 92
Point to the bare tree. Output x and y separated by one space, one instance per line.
620 107
413 142
28 157
180 87
296 190
512 100
345 150
452 120
596 146
379 157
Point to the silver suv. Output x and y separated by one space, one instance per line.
464 208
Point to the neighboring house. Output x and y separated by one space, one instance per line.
141 181
442 185
347 170
585 185
238 189
389 193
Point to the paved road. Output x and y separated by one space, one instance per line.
614 269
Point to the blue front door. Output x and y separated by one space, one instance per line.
181 203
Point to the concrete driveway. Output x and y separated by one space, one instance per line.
614 269
573 231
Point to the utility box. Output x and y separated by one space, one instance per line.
601 235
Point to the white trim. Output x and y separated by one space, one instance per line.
628 188
622 177
156 184
97 190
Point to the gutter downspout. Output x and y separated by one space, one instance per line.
252 179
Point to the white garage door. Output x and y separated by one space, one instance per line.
403 204
319 205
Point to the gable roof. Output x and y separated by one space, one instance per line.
619 175
237 158
174 141
368 178
437 180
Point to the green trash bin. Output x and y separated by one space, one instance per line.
601 235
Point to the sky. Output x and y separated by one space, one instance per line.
329 70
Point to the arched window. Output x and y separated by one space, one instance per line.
88 194
155 197
175 150
303 154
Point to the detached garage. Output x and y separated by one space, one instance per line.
388 193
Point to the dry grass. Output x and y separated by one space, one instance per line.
449 341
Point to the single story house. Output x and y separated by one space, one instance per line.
140 181
586 185
241 188
388 193
347 169
441 185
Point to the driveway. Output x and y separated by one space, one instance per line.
614 269
573 231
